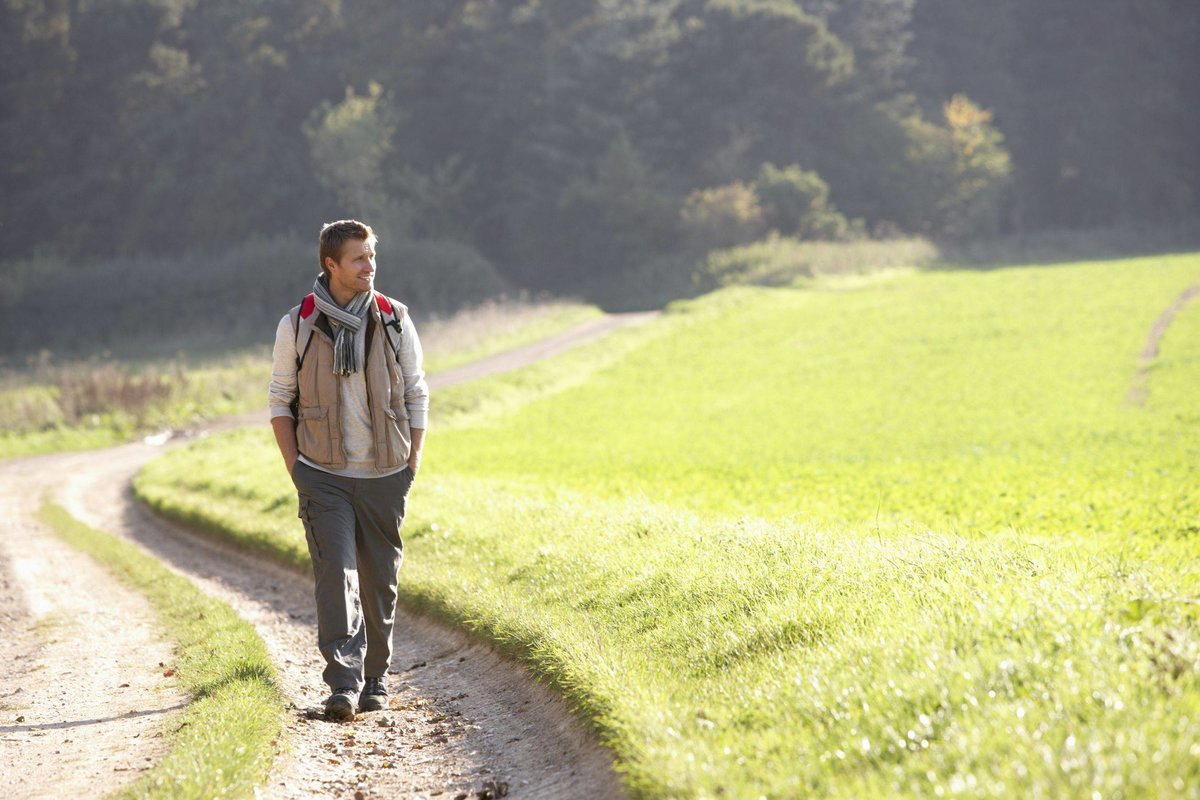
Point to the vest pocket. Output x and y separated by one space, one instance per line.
312 434
399 438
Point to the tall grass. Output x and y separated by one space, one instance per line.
781 261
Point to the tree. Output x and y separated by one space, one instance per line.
795 202
348 143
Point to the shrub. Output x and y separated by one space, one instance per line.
795 202
722 216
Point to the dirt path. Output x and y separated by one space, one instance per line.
1139 391
82 693
512 359
464 722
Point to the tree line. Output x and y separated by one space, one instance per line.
569 142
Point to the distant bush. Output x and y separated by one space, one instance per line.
722 216
795 202
778 261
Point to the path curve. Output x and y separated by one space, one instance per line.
84 695
464 721
1138 391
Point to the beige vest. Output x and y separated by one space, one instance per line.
319 416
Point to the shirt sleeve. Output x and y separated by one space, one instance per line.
283 370
412 370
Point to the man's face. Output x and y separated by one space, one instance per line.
355 271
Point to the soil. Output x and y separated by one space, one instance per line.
83 698
84 701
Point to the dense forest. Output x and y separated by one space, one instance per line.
569 141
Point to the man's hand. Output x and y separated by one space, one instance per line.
285 437
414 452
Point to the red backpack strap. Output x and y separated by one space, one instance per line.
392 312
302 327
385 304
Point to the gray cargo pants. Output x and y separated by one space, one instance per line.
353 530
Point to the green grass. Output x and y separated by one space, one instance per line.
226 739
898 534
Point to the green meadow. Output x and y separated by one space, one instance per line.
901 534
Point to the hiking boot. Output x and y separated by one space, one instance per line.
374 695
340 705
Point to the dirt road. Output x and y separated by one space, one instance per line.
463 721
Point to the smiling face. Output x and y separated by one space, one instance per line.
353 272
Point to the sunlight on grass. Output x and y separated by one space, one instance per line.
900 537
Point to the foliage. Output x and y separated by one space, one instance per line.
966 170
883 535
348 143
558 141
722 216
226 740
614 218
796 203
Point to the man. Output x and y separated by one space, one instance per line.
348 406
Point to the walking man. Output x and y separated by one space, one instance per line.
348 407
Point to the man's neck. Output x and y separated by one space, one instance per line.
341 296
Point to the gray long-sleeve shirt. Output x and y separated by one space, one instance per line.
356 414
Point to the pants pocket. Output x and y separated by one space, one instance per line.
314 546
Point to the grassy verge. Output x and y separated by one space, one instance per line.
228 735
899 535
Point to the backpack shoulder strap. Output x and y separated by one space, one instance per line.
392 313
302 325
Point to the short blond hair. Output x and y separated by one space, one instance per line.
334 236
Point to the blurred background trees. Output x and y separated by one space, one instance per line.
565 144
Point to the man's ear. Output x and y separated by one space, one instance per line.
329 263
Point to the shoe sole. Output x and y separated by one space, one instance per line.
339 711
371 705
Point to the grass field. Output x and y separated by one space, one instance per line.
899 534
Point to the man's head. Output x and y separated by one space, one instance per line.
334 237
347 252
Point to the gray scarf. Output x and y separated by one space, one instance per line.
345 321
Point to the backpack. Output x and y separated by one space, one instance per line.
387 309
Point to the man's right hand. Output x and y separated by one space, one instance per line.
285 437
